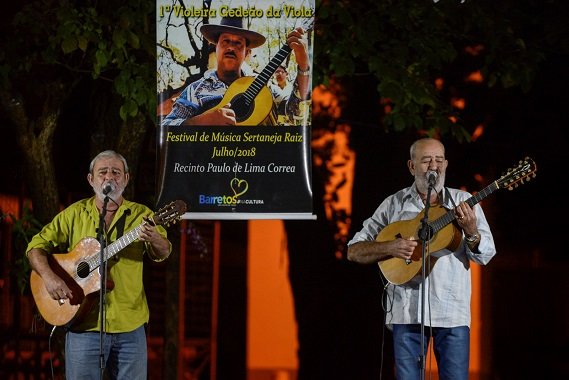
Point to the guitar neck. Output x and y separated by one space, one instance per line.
439 223
115 247
262 79
482 194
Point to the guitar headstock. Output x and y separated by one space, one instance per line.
516 176
307 24
170 213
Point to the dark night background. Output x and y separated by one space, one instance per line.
524 287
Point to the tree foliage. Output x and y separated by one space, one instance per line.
58 51
52 48
405 46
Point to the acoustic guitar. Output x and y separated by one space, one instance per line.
442 231
79 268
250 98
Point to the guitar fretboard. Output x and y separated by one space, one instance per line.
439 223
112 249
263 78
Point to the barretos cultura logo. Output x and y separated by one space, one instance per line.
238 188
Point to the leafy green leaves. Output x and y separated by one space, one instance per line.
109 41
407 45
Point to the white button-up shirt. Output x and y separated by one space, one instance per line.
448 283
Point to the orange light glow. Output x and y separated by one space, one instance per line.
458 103
475 77
340 165
387 105
10 205
325 101
439 83
271 327
477 132
474 50
476 317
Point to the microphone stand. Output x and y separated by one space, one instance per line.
425 233
103 276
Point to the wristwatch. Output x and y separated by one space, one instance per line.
303 72
472 238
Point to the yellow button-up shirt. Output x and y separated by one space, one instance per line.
126 304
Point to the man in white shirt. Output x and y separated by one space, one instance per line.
448 282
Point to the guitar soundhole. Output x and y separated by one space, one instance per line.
242 107
83 269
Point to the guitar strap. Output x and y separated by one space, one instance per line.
119 225
447 194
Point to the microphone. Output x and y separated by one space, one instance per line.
108 188
432 177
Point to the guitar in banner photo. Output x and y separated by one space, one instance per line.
250 98
444 233
79 268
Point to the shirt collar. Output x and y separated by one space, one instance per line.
411 193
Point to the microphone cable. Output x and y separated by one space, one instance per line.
50 353
386 305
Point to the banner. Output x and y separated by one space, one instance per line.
234 86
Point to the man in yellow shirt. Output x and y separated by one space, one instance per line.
126 307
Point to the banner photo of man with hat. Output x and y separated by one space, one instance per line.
232 142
